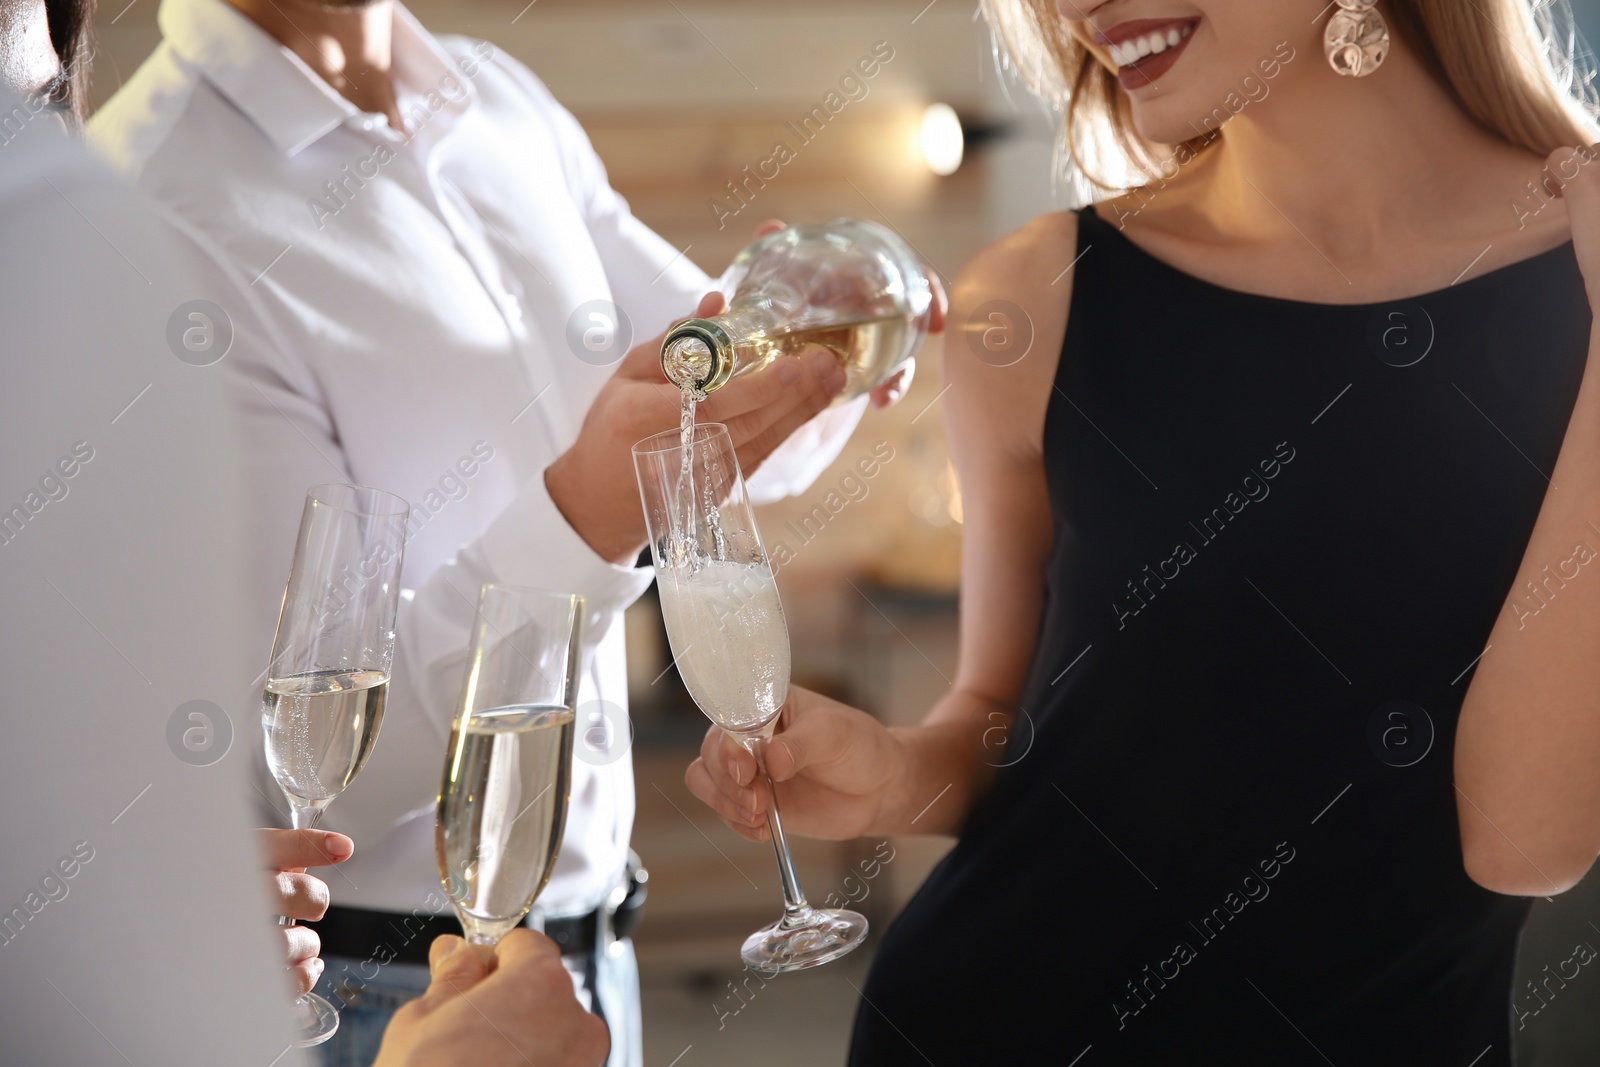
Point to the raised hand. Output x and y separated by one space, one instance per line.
593 482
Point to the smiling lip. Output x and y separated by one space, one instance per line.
1143 49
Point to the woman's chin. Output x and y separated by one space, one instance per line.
1163 125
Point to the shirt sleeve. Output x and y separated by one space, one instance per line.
290 444
652 281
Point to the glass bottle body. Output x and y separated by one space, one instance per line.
851 286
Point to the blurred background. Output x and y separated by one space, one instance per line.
685 100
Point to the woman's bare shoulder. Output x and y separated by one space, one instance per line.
1008 317
1018 261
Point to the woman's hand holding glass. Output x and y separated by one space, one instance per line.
840 772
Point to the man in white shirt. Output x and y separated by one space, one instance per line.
452 283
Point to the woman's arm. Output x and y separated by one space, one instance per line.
1527 757
841 773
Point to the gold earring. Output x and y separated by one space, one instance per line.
1357 40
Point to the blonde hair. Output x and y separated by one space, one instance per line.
1514 66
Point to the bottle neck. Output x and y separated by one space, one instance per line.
697 354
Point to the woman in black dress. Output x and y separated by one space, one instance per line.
1279 690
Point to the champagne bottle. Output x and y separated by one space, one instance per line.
849 285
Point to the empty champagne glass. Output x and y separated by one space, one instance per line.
731 647
329 672
508 770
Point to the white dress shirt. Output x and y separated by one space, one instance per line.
127 868
431 295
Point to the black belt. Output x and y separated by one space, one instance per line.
389 936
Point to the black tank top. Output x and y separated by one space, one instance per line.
1227 829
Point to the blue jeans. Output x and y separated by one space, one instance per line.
368 994
365 1006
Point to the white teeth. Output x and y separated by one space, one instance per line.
1130 52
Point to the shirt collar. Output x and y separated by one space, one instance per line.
273 87
424 67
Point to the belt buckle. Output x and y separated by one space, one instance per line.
626 901
614 920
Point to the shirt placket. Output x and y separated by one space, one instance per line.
427 150
470 233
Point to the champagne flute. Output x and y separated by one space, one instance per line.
508 771
731 646
329 671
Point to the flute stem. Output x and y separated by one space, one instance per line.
302 817
795 909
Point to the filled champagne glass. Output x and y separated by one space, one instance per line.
507 774
731 646
329 671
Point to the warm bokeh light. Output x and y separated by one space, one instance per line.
942 141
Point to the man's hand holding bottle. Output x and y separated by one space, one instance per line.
592 483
